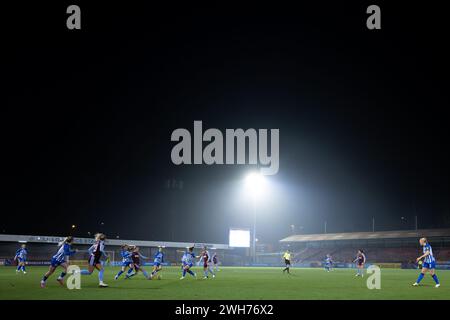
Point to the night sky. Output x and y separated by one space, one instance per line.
88 116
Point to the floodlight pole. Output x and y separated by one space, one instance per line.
254 230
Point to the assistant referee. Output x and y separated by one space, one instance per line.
287 261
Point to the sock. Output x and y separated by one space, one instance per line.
18 268
211 271
129 272
420 277
206 273
191 273
119 273
44 278
23 268
62 275
435 278
85 272
145 273
100 275
184 272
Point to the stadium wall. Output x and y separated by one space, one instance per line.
42 248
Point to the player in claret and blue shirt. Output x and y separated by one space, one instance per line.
59 259
206 263
158 259
96 252
21 257
126 260
136 258
188 260
429 263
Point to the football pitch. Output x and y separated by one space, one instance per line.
230 283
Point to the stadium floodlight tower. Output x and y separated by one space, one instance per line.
255 184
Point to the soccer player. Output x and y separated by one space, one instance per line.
21 257
287 261
215 262
360 262
136 258
429 263
126 260
328 263
206 263
96 252
158 259
187 261
59 259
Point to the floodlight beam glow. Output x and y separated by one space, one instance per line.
255 184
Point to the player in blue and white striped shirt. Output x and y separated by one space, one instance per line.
188 261
21 257
126 260
59 259
328 263
429 263
157 261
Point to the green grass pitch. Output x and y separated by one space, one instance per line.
230 283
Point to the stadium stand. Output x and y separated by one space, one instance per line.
380 247
42 248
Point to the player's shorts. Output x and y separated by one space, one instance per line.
126 263
94 260
21 260
287 262
215 261
156 264
187 264
137 266
431 265
54 263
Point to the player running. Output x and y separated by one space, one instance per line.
96 252
429 263
158 259
206 263
360 262
328 263
287 261
21 258
126 260
59 259
136 259
187 261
